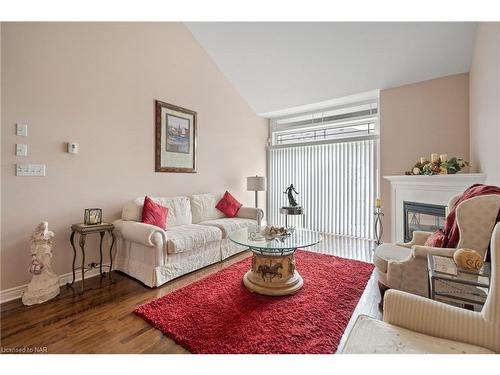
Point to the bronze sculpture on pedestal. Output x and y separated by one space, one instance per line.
291 199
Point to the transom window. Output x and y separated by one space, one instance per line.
330 124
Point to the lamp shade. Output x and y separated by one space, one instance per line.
256 183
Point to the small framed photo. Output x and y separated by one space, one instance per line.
92 216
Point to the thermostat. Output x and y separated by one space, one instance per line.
73 148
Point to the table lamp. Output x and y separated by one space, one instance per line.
256 183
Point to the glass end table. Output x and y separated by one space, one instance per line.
464 288
273 270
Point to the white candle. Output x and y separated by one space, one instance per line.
434 158
422 160
443 157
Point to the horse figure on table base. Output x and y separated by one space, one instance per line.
273 270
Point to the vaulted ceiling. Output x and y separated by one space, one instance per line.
279 65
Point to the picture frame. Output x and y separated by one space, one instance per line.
92 216
175 138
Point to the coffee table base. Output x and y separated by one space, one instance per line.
273 275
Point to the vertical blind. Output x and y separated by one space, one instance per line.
336 182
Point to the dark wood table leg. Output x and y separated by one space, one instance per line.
82 246
111 256
100 253
71 239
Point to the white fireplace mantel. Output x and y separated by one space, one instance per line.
438 189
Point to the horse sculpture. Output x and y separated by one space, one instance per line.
265 270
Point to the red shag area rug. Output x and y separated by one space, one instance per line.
218 314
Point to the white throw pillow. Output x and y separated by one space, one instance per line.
179 210
203 207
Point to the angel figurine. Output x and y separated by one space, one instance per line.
45 283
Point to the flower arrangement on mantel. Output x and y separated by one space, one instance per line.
439 164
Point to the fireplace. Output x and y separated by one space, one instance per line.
422 216
436 190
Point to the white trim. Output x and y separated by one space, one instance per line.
440 179
364 96
17 291
285 128
327 141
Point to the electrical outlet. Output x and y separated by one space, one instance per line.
21 149
22 130
30 170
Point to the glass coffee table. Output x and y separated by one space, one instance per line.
273 270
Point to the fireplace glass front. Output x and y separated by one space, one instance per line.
422 216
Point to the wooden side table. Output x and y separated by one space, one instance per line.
83 230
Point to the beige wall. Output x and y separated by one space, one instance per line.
417 120
95 84
485 102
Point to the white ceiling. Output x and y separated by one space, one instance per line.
279 65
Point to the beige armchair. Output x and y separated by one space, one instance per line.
414 324
403 266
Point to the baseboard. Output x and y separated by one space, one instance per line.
17 292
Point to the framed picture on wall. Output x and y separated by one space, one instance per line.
175 149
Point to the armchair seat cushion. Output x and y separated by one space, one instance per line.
386 252
189 237
370 335
229 225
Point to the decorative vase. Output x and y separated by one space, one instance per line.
468 259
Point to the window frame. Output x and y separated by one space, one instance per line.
357 116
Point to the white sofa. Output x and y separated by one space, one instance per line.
196 236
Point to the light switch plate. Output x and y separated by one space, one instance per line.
21 149
22 130
37 170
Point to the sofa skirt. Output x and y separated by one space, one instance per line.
154 267
229 248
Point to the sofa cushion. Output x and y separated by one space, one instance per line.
388 251
228 205
179 210
229 225
203 207
369 336
154 214
436 239
184 238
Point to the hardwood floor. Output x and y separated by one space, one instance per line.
101 320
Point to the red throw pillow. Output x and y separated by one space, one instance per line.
228 205
154 214
436 239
